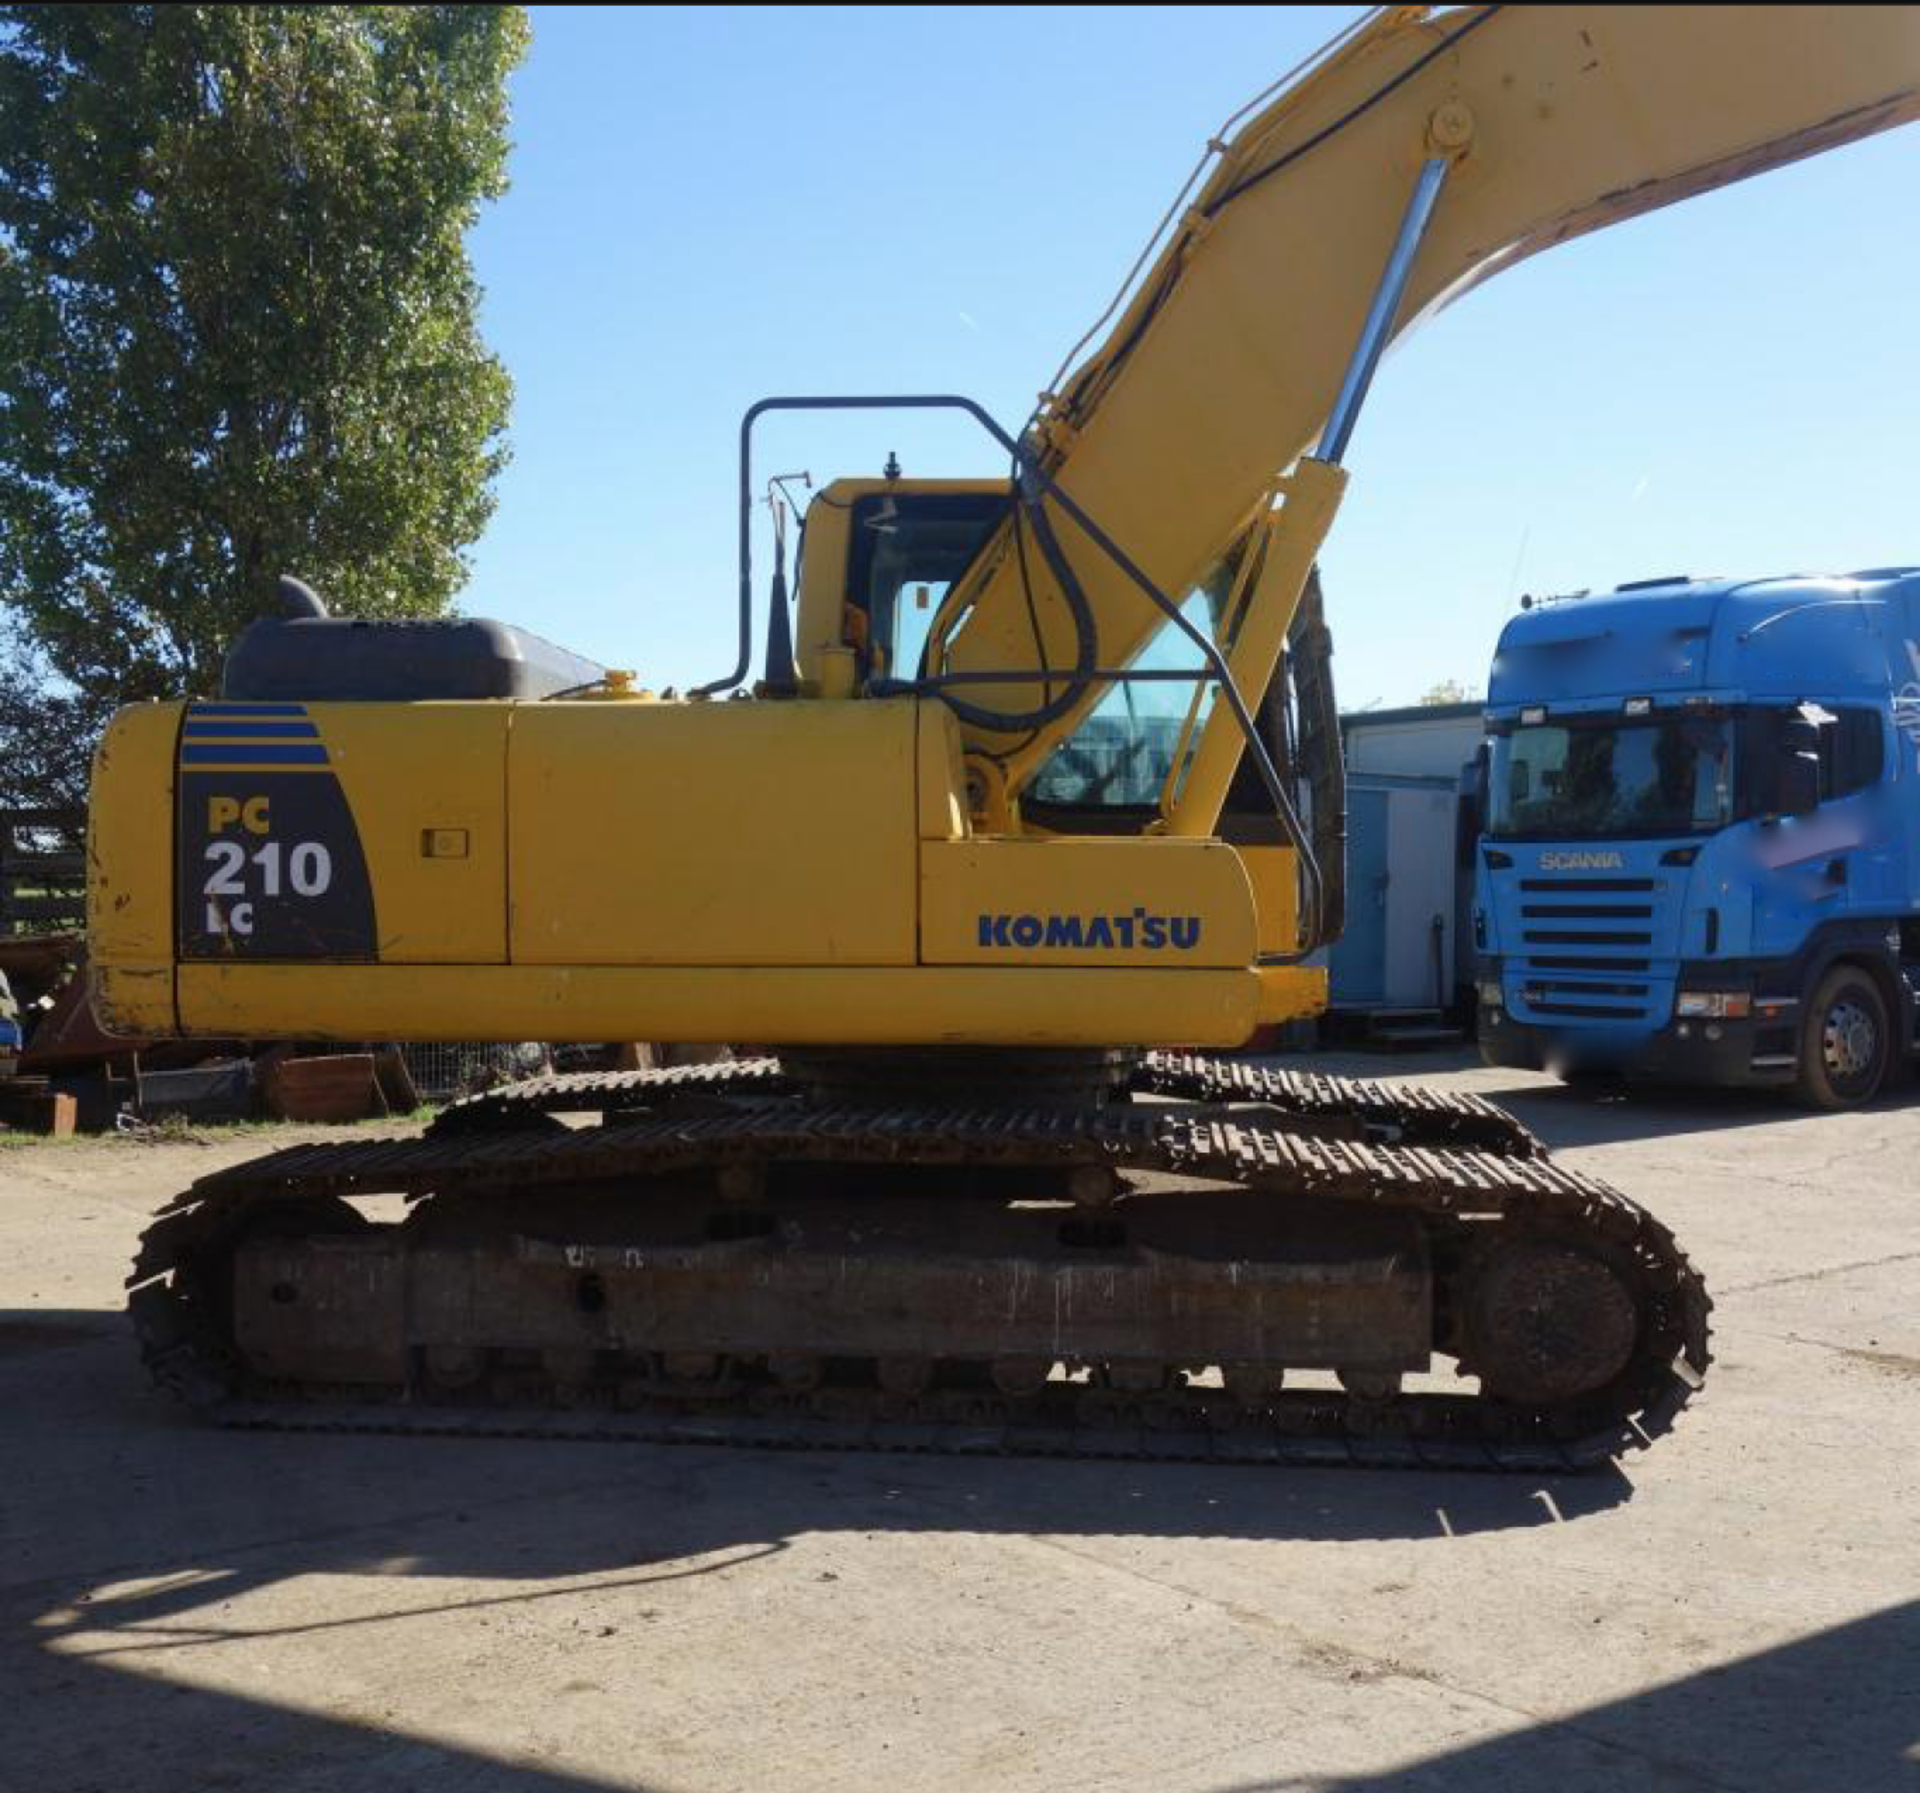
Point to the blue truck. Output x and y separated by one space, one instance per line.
1699 857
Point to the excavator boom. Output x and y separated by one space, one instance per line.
1513 128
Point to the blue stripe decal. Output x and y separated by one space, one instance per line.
250 731
235 758
236 709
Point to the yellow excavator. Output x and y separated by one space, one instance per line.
1033 811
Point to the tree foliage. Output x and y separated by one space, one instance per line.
1450 691
238 330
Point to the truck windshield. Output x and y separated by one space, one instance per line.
1671 776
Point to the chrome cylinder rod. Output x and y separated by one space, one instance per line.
1384 309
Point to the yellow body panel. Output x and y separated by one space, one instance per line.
135 1000
130 836
424 783
1274 874
764 873
943 795
1291 992
1053 902
852 1006
713 834
130 867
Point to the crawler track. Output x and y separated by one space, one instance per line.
1522 1263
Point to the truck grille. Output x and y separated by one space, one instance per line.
1591 1002
1566 919
1568 962
1609 925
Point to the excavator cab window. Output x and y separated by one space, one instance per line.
1116 762
1107 777
904 544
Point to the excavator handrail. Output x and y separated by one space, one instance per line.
1022 458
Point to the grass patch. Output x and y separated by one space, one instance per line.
175 1129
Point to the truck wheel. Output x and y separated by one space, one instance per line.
1845 1042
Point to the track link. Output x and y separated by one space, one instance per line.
1401 1113
1471 1175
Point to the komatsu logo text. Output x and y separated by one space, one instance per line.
1581 862
1094 933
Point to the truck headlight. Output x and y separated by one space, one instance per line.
1720 1005
1491 995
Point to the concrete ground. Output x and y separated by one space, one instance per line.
1738 1609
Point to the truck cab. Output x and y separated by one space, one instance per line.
1696 861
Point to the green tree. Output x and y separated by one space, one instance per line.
1450 691
237 320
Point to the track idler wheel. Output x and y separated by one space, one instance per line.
1547 1319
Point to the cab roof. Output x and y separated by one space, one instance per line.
1724 640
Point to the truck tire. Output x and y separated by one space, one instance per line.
1846 1042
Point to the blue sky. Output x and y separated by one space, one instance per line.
712 205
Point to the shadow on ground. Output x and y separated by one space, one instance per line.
1830 1711
1839 1709
113 1466
129 1525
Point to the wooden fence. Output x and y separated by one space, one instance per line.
43 871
